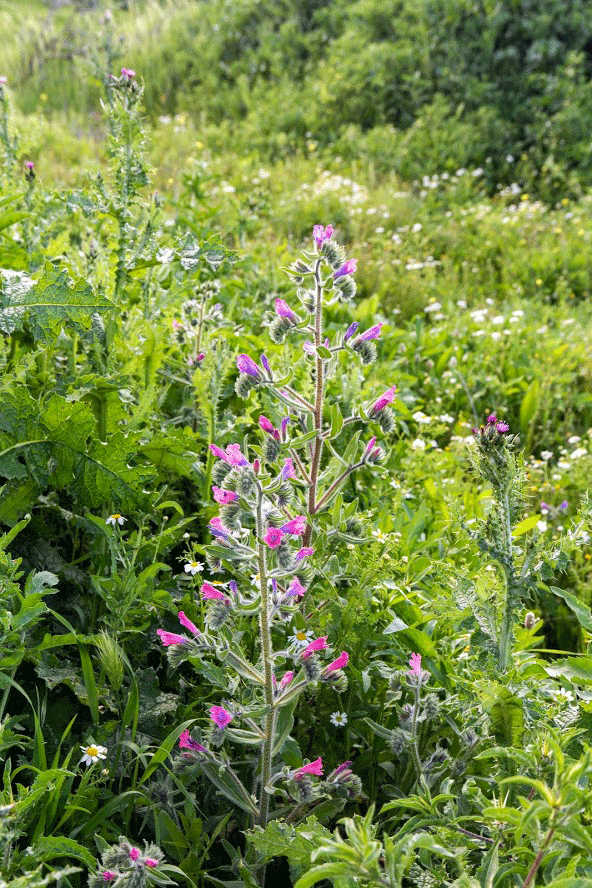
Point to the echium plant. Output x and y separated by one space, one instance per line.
502 536
270 501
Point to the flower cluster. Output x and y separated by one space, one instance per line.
125 864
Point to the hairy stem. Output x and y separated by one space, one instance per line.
508 615
539 858
266 653
318 404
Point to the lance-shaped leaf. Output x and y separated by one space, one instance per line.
47 305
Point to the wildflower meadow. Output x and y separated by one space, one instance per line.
295 444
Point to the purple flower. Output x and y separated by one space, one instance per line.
491 419
247 365
285 422
347 268
415 664
288 469
372 332
267 426
151 861
321 235
385 399
563 505
273 537
265 363
186 742
309 347
128 73
234 456
351 330
344 766
296 526
134 854
286 680
545 508
109 875
220 716
502 427
30 165
283 310
370 445
296 589
304 552
319 644
224 496
171 638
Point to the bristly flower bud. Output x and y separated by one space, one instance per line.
284 496
243 385
220 471
218 613
334 254
245 481
337 680
529 620
230 514
431 705
285 557
270 450
312 669
398 742
278 329
307 298
346 286
354 527
305 789
366 350
386 420
214 562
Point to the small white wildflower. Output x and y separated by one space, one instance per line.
380 536
93 754
433 306
421 418
564 696
445 417
256 581
546 455
193 567
541 526
418 444
339 719
574 439
116 518
578 452
301 637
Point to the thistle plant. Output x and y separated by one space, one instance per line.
271 496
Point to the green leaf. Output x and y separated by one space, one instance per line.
52 847
526 525
48 304
581 610
529 406
324 871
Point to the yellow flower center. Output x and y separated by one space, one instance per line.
92 750
116 516
301 636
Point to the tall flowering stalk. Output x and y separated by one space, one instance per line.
270 501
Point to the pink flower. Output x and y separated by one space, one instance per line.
220 716
372 332
128 73
321 235
210 593
151 862
267 426
370 445
134 853
186 622
283 310
339 663
170 638
288 469
216 524
296 589
234 456
502 427
109 875
315 768
273 537
385 399
186 742
287 678
415 664
217 451
304 552
309 347
319 644
247 365
224 496
296 526
347 268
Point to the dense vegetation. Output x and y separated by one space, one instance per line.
163 298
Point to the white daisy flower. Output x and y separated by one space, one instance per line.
193 567
564 696
301 637
339 719
380 536
93 754
116 518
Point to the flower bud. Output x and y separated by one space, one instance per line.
529 620
230 514
270 450
243 385
398 742
278 329
312 669
366 350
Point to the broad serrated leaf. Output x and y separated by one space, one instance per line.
48 304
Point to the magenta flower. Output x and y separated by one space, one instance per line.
351 330
502 427
128 73
217 451
151 862
30 165
372 332
170 638
319 644
296 526
3 81
309 347
220 716
288 469
109 875
273 537
134 853
304 552
321 235
187 742
385 399
491 419
314 768
210 593
265 364
370 445
415 664
186 622
340 768
347 268
296 589
339 663
224 496
287 678
234 456
267 426
247 365
283 310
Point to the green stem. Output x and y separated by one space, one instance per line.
508 615
414 746
318 405
539 858
266 653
